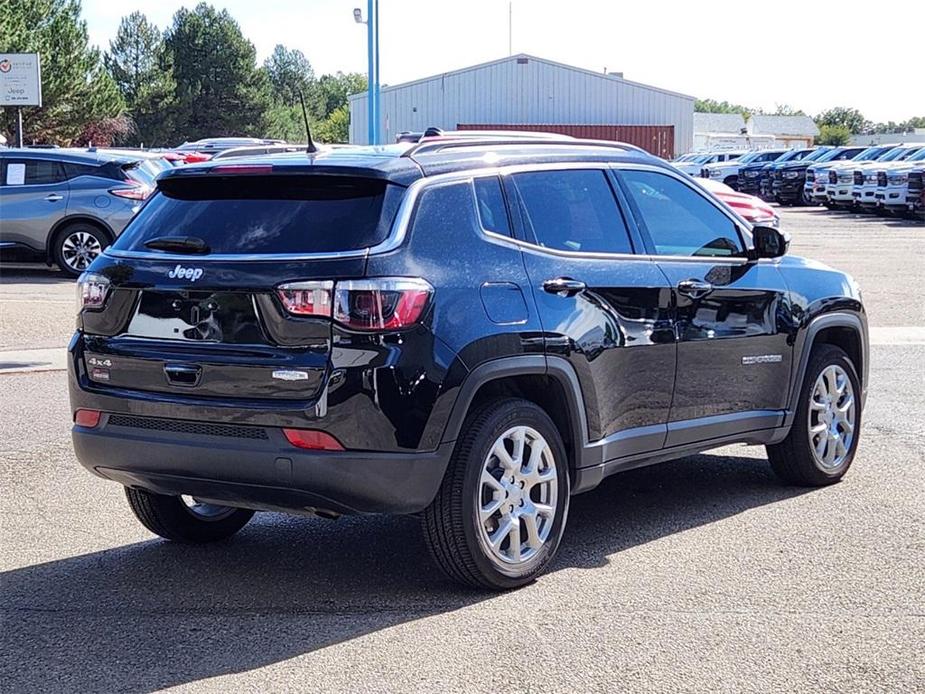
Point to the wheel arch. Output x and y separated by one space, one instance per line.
64 222
847 331
550 383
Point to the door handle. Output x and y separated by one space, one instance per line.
695 289
54 197
565 286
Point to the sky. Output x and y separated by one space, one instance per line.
808 55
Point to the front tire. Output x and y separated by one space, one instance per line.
185 520
499 514
824 436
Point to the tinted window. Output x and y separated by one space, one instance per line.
32 172
271 214
572 211
492 210
680 221
75 170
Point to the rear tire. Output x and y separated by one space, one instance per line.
174 519
77 245
811 456
497 519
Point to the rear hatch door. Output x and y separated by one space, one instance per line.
205 318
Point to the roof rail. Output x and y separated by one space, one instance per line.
438 144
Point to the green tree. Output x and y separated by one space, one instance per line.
77 91
833 135
713 106
787 110
138 63
289 73
219 89
334 128
850 118
333 90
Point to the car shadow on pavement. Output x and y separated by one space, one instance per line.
153 614
32 273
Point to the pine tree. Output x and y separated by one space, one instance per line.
77 92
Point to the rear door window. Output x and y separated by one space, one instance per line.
573 210
285 214
19 172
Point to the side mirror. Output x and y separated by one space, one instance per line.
769 242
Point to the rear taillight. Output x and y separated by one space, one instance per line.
87 418
307 298
313 440
132 192
92 290
379 304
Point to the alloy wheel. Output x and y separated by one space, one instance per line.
517 496
832 416
79 249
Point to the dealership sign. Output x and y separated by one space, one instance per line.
20 79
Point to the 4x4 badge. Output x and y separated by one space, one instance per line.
93 361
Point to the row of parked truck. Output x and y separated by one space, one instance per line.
880 178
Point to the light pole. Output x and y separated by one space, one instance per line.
372 75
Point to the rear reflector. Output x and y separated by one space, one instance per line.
87 418
312 440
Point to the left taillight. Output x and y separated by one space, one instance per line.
377 304
92 290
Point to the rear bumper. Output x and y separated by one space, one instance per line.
264 473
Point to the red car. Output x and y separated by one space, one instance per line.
753 209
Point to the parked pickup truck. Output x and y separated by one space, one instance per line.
838 188
728 171
864 189
893 184
753 177
694 165
817 175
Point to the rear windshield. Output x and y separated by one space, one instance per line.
268 214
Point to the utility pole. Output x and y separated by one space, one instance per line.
510 28
372 73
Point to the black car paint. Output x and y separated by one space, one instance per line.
644 373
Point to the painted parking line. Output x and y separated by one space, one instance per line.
55 359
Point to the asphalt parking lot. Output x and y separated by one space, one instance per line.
697 575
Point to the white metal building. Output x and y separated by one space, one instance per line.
520 90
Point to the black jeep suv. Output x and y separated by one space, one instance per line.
469 329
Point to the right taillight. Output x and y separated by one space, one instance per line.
368 305
380 304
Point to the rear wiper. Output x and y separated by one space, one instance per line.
179 244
